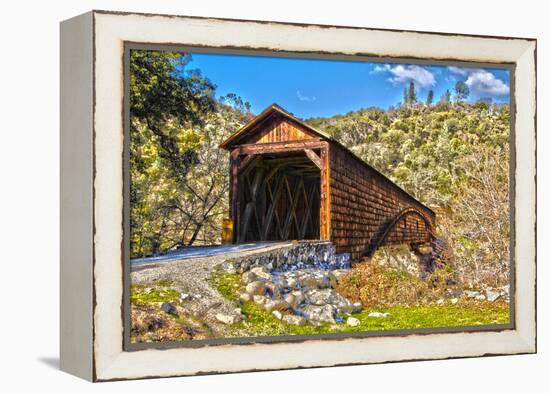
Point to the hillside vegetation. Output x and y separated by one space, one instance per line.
454 158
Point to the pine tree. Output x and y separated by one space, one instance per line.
405 97
445 97
430 98
412 94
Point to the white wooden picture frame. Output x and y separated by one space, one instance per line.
92 181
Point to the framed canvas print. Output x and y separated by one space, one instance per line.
246 195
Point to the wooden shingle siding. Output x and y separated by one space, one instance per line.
362 201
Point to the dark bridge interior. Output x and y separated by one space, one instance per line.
279 198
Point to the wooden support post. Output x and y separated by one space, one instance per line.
313 157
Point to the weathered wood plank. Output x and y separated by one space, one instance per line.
313 157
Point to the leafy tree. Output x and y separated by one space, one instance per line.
430 98
165 101
462 91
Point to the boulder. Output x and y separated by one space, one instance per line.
491 294
261 272
319 297
245 297
356 307
292 300
259 299
249 277
299 295
277 314
471 294
321 314
294 320
169 308
279 305
185 296
272 290
292 283
353 322
228 319
256 288
336 275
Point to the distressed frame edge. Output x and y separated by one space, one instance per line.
529 348
76 196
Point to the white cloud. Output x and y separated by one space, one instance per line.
481 81
459 71
487 83
302 97
403 74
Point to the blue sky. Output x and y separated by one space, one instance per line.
312 87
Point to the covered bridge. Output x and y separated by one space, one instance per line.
290 181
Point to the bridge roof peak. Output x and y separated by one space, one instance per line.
273 109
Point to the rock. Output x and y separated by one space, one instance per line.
353 322
245 297
356 307
277 314
471 294
299 295
294 320
454 300
249 277
313 280
245 265
185 296
256 288
261 272
319 297
480 297
440 301
279 305
148 290
292 283
292 300
324 313
379 314
336 275
228 319
491 294
169 308
272 290
229 267
342 304
259 299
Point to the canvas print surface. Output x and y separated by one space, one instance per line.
281 196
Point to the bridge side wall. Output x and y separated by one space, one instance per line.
361 200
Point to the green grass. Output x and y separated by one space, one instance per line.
259 322
157 294
227 284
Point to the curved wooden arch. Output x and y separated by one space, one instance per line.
385 229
